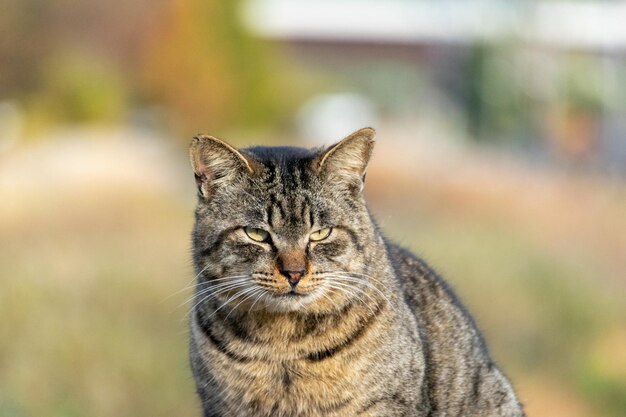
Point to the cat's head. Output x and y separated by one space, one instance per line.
282 228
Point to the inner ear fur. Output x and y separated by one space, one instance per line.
215 162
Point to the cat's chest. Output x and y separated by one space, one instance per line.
333 375
330 387
331 367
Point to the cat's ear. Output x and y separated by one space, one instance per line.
215 162
347 160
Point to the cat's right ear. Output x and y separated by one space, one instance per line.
346 161
215 163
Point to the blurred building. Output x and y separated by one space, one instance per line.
544 76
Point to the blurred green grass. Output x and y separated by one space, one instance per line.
92 268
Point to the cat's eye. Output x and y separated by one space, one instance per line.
258 235
320 234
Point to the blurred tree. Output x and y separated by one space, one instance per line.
68 61
81 87
493 97
577 115
474 103
24 40
201 62
89 61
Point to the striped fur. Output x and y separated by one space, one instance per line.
369 330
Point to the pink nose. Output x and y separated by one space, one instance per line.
293 276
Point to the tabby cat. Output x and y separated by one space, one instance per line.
303 308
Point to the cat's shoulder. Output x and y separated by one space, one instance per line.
410 268
430 296
418 279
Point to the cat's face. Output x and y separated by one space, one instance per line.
282 229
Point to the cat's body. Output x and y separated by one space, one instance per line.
315 313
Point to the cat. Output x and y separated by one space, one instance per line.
303 308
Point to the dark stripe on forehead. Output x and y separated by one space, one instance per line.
271 173
284 205
303 208
276 206
287 199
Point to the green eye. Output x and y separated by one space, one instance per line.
320 234
258 235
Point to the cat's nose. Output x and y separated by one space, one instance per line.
293 276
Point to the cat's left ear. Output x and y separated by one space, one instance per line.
347 160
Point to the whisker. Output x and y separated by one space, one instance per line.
330 300
201 271
189 284
221 291
218 289
193 284
351 274
234 297
355 296
363 282
212 288
230 277
346 289
222 284
249 294
349 290
261 295
217 286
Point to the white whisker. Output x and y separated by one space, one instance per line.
221 291
351 274
212 288
250 293
261 295
362 282
233 297
189 284
230 277
193 284
349 289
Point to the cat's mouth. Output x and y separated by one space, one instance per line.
291 300
293 293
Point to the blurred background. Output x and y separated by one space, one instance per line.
501 159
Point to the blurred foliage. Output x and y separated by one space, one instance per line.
200 61
82 88
605 391
99 60
506 98
195 63
24 42
581 85
495 99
